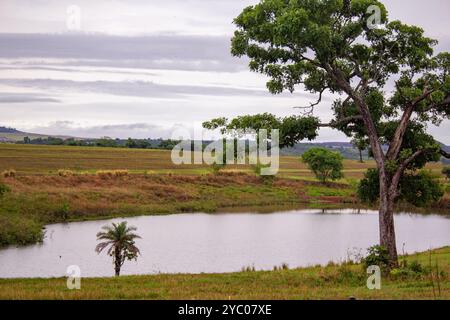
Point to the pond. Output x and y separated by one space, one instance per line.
217 243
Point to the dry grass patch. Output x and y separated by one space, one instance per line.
10 173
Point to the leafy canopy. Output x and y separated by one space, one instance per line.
323 46
121 242
326 164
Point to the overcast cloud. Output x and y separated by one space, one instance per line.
140 67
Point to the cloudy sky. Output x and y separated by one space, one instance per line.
141 68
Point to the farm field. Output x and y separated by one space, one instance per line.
47 160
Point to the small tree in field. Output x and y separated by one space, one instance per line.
361 144
332 46
120 240
326 164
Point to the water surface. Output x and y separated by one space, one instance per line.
196 243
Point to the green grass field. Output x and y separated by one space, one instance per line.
330 282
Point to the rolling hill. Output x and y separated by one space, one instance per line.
13 135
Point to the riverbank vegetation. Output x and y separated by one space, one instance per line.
418 278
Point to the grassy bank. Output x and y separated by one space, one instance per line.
34 201
330 282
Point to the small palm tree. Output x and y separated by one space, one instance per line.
120 240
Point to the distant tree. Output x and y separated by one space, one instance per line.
131 143
168 144
106 142
361 144
72 142
55 141
120 240
26 140
326 164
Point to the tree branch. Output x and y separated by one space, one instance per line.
346 120
339 77
445 103
395 145
445 154
394 192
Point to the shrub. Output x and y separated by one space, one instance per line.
19 230
112 173
4 189
413 269
419 189
369 187
257 168
325 164
11 173
216 168
64 211
416 267
377 256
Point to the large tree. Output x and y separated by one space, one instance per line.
388 80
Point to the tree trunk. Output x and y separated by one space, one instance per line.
360 156
386 221
386 214
117 263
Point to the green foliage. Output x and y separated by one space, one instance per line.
19 230
419 189
257 168
120 239
292 129
369 188
361 144
137 144
377 256
415 139
4 189
412 269
64 211
321 46
326 164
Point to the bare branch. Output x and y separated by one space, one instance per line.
346 120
